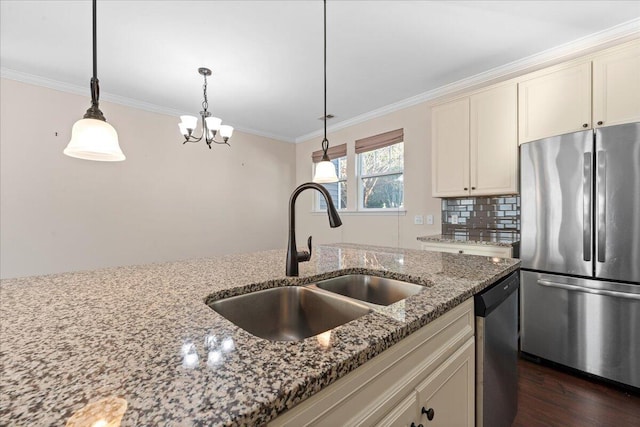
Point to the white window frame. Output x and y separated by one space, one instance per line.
360 177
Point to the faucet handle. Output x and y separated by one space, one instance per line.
304 255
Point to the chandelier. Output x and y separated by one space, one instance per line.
325 170
211 126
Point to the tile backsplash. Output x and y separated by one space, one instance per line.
499 215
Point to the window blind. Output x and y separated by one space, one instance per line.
334 152
379 141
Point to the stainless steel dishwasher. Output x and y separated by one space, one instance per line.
496 310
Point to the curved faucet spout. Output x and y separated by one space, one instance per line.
293 256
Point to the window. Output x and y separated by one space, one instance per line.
376 175
381 177
381 170
338 190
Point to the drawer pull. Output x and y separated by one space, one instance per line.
586 125
460 252
414 425
430 413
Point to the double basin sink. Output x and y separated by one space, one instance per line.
293 313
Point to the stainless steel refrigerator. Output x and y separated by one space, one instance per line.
580 251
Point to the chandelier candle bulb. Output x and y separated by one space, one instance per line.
226 131
213 123
189 122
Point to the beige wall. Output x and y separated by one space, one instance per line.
397 230
165 202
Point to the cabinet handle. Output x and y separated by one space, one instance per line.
430 413
466 188
600 123
460 252
414 425
586 125
473 188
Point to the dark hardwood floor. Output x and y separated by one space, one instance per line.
549 397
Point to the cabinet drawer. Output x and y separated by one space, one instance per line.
371 392
486 250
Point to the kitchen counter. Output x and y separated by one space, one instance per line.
145 334
491 239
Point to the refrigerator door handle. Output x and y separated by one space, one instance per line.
601 212
586 207
577 288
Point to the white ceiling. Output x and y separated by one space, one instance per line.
267 55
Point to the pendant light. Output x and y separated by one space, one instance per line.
325 170
92 138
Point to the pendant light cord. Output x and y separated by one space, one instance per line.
95 43
325 141
94 112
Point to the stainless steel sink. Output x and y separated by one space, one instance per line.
289 313
376 290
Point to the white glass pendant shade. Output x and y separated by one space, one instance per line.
226 131
183 128
213 123
93 139
189 122
325 173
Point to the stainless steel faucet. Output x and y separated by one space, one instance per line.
293 256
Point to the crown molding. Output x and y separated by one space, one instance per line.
617 34
582 46
33 79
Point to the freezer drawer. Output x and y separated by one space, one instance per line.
590 325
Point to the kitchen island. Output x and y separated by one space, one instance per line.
146 335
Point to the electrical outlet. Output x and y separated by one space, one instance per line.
454 219
430 219
418 220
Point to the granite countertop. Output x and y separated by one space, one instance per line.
490 239
145 334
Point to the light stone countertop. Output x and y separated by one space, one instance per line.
489 240
70 339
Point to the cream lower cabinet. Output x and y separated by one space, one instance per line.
432 368
475 144
440 400
453 248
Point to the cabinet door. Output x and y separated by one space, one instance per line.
494 141
404 414
450 148
616 87
449 392
555 103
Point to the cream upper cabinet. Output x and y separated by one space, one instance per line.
555 102
450 148
475 144
494 141
616 86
